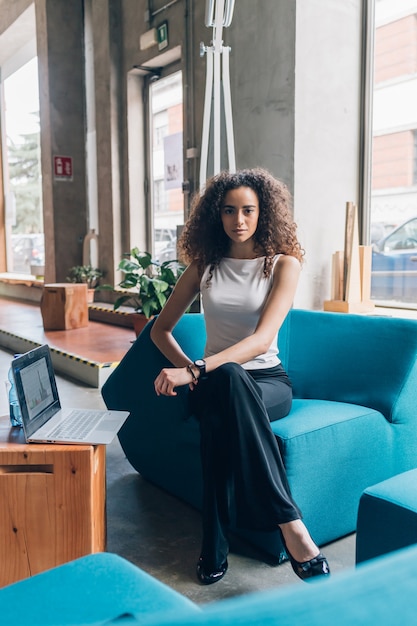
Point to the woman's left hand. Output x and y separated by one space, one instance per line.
171 377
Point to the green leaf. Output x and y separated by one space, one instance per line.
147 309
168 275
144 259
126 265
120 301
145 284
128 283
160 286
161 298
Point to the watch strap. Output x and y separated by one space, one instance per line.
190 369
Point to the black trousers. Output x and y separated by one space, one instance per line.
243 472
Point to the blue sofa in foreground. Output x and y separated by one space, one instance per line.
105 589
353 422
387 516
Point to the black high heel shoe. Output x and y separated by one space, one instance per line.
318 566
208 578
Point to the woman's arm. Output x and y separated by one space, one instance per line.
183 295
279 302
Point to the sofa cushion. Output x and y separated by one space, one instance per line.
329 451
94 588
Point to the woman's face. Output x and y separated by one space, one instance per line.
240 213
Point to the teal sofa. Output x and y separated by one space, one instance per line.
387 516
353 421
103 589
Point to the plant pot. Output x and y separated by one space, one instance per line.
139 322
90 295
38 271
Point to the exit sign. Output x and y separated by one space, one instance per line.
162 35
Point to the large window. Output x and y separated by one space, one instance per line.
166 132
23 189
394 154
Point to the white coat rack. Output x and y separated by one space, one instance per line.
219 15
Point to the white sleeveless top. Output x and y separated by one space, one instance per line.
232 305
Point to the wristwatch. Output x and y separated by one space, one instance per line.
201 365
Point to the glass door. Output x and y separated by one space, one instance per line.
166 164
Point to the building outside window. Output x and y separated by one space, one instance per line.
394 154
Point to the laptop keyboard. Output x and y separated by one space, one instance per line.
82 422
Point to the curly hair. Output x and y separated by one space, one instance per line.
203 238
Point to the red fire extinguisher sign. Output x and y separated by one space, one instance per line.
63 168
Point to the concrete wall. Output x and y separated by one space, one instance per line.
327 131
295 77
263 38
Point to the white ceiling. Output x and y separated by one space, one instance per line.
18 41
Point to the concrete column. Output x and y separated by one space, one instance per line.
109 91
262 66
60 48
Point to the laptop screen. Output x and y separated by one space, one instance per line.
36 388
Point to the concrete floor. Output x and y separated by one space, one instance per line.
161 535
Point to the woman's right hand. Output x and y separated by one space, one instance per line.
171 377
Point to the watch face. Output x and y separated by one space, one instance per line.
201 364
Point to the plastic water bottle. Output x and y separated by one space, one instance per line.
14 408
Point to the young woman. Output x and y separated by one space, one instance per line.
244 258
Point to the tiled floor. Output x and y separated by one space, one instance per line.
96 342
87 354
146 525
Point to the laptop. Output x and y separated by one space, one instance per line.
44 421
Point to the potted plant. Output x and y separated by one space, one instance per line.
153 283
85 274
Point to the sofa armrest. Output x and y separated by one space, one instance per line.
159 431
359 359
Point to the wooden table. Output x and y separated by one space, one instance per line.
52 503
64 306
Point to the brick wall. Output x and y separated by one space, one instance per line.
393 159
396 49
